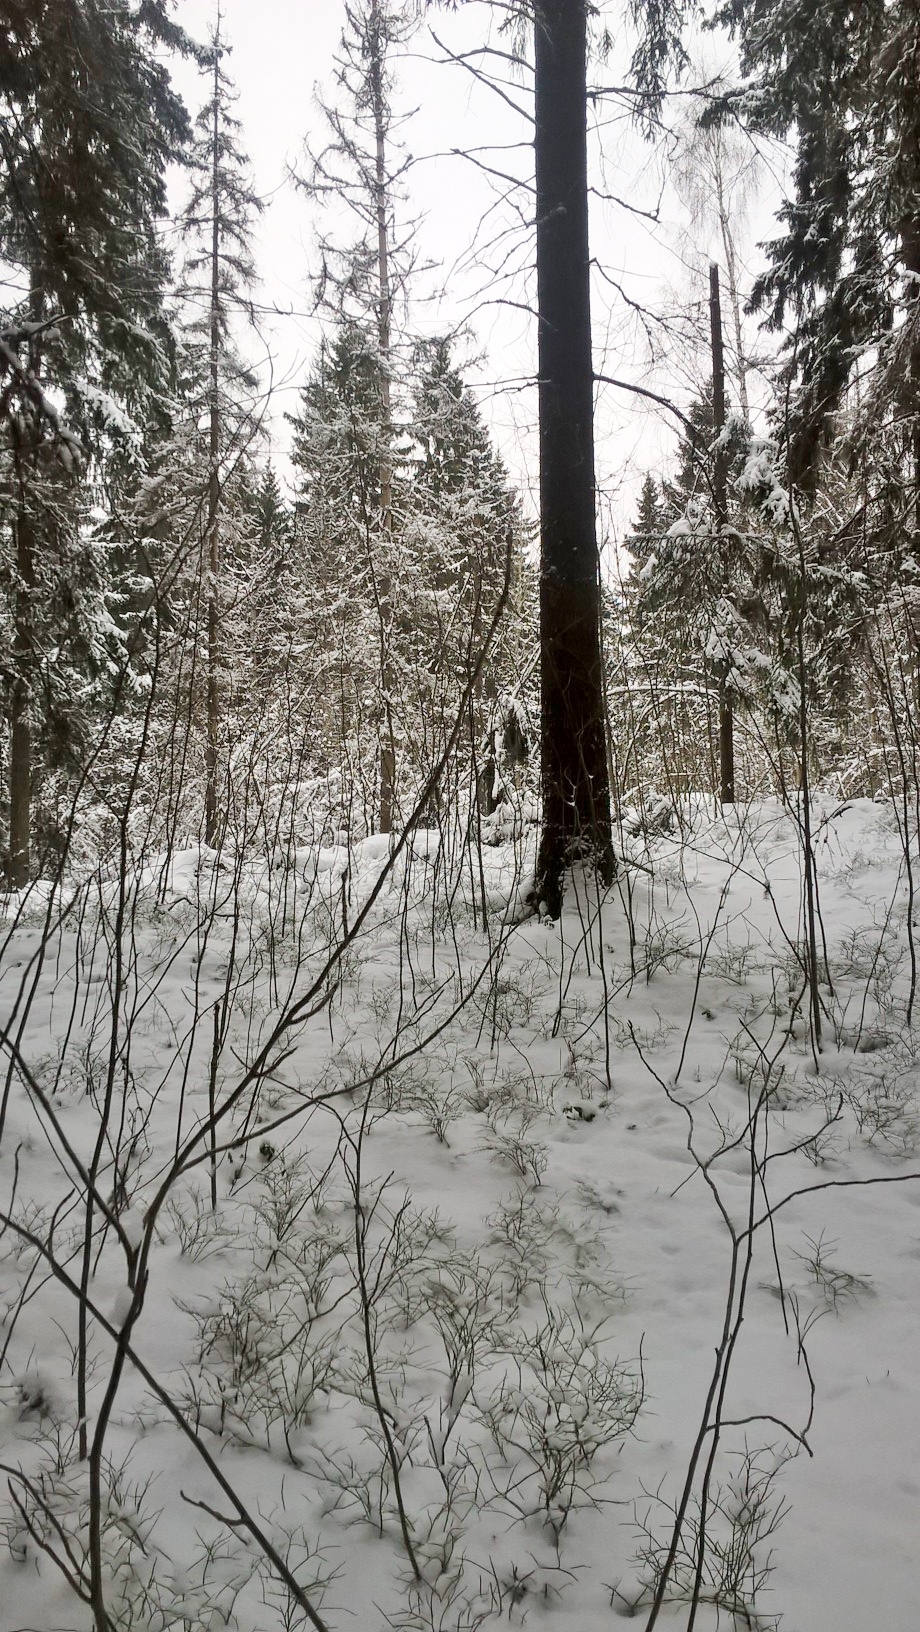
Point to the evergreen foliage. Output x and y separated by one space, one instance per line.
82 190
337 443
154 570
82 193
841 80
221 679
434 573
362 166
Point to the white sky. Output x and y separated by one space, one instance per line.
282 50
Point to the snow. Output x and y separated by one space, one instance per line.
107 410
481 1244
760 480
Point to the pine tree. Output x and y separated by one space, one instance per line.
576 793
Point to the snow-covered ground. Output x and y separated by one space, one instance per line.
528 1240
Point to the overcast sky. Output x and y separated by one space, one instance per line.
283 52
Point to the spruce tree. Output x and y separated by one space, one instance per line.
272 513
362 281
90 126
693 588
219 277
841 81
340 548
459 480
645 537
336 456
467 520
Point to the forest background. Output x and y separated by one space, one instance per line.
361 607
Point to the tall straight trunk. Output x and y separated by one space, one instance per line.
734 293
720 500
20 704
384 292
910 258
211 820
384 313
20 784
576 793
910 255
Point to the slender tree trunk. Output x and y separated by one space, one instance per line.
20 854
734 294
910 254
384 315
384 293
20 721
211 822
720 497
576 793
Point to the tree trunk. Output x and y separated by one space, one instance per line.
576 793
384 295
20 855
20 722
720 498
384 306
910 255
734 295
211 821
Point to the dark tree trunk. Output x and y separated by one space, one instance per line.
384 319
576 793
21 777
910 255
720 496
20 706
211 814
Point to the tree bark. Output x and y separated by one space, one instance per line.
720 497
384 310
576 794
211 820
20 854
910 256
20 705
734 294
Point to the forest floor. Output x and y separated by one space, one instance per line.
525 1239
